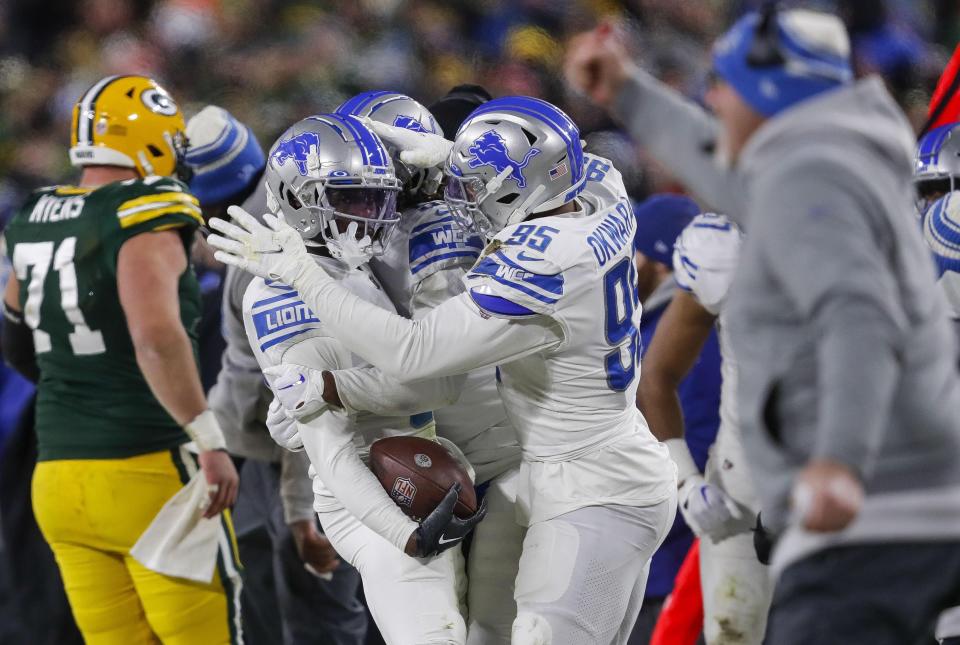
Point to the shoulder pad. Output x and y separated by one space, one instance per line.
604 183
437 241
143 200
276 313
513 281
705 257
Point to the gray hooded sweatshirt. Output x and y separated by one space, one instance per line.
844 346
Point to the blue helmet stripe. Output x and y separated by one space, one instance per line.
933 141
373 152
355 105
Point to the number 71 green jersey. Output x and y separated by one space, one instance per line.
92 400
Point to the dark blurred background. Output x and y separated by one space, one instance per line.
272 62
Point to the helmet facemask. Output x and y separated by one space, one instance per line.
348 215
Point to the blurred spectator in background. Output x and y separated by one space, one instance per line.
271 62
660 220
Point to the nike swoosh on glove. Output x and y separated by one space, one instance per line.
299 389
710 512
283 428
272 250
419 149
442 530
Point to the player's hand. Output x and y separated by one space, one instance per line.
273 250
283 428
441 529
418 149
222 481
710 512
299 389
827 496
597 64
313 547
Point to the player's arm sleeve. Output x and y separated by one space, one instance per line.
827 256
454 338
329 441
681 136
368 389
296 487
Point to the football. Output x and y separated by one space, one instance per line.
417 473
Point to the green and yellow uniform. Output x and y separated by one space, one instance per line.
110 455
93 402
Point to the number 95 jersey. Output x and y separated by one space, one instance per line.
577 398
92 400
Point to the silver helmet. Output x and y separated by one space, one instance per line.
512 157
401 111
937 164
332 167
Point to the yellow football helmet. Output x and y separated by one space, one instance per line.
128 121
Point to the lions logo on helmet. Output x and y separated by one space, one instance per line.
489 149
301 149
410 123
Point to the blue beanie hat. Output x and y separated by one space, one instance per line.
815 52
224 154
941 230
660 220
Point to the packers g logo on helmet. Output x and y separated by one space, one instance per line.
128 121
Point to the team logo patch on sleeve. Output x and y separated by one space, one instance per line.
403 491
489 149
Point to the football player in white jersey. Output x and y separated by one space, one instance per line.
424 260
325 174
722 507
552 302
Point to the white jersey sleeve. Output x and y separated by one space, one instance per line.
283 330
705 258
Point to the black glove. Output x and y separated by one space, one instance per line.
441 529
763 542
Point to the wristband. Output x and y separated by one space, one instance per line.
205 432
681 456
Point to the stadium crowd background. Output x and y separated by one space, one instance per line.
271 62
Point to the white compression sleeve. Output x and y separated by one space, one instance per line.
368 389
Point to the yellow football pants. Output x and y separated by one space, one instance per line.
91 512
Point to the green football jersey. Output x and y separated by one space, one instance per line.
92 400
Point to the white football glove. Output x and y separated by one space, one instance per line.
418 149
299 389
345 246
272 250
283 428
710 512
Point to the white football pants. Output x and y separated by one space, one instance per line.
582 574
736 587
492 565
413 601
